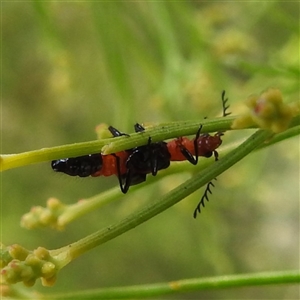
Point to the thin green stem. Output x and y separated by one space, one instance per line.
165 131
10 161
158 133
185 285
70 252
84 206
291 132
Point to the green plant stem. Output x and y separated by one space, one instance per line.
291 132
185 285
158 133
10 161
165 131
84 206
70 252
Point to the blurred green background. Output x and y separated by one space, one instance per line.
68 66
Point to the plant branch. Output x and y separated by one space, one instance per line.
159 132
62 214
76 249
185 285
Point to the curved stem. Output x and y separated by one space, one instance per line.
84 206
70 252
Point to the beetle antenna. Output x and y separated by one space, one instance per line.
204 197
225 105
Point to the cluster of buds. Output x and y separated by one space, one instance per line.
267 111
21 265
44 216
